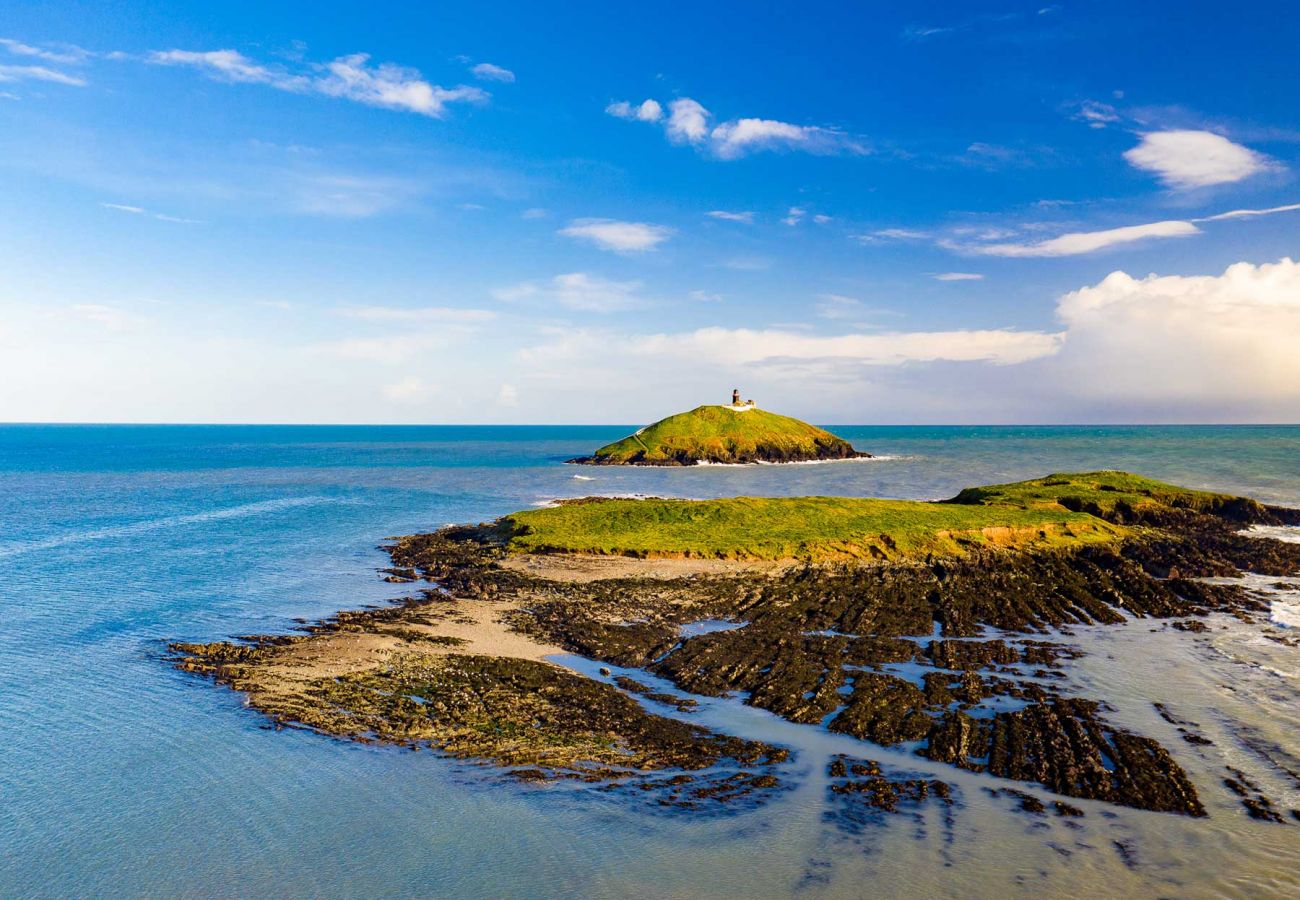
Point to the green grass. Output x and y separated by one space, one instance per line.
1095 492
806 528
719 434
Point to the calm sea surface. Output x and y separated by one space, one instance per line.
120 776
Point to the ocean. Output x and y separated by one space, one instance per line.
120 776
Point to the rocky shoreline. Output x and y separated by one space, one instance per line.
942 658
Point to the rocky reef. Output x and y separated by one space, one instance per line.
957 658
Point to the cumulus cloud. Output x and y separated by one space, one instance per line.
619 237
1192 159
351 77
647 111
1224 343
488 72
688 122
579 291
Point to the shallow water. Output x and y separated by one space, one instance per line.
120 776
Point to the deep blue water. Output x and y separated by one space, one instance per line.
121 776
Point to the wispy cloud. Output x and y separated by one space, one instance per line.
742 347
1096 114
488 72
837 306
63 54
580 291
445 315
1080 242
351 77
688 122
39 73
746 217
619 237
1187 159
958 276
141 211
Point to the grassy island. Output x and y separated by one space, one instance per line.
825 635
723 434
1063 510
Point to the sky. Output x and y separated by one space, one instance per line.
964 212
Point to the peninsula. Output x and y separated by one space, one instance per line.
736 433
910 625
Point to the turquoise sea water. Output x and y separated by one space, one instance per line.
120 776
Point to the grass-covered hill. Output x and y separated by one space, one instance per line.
722 434
1052 512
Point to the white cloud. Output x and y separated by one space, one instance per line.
535 212
746 217
392 87
141 211
39 73
958 276
65 54
1193 159
411 389
508 395
1080 242
488 72
434 314
390 350
894 234
731 140
688 122
580 291
231 65
822 219
794 215
742 346
1076 243
1096 114
646 111
110 318
837 306
706 297
620 237
351 77
1224 343
1250 213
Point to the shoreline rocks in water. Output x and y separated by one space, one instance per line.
893 652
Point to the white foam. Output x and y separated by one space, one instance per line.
1288 533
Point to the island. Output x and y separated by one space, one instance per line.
574 643
737 433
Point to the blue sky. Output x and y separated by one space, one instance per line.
856 213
